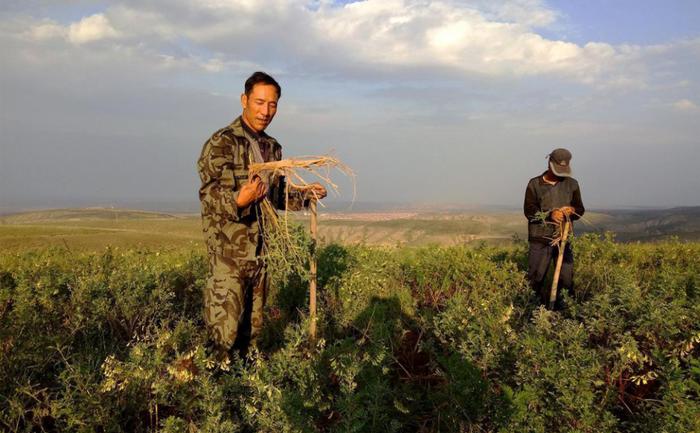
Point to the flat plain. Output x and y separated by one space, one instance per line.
94 228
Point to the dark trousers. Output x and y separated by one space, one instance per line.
539 258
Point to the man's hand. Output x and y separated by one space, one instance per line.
568 210
557 216
252 191
316 191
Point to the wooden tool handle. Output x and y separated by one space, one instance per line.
557 270
312 271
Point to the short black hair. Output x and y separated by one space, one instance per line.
261 77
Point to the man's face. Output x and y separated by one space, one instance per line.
260 106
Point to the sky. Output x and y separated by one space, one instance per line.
430 102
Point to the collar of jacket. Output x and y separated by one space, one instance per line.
544 182
237 129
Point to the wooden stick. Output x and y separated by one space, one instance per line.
557 270
312 271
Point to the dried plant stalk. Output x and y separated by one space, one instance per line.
559 233
319 167
286 250
543 216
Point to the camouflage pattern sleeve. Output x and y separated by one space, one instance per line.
219 190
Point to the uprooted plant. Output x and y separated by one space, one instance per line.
286 249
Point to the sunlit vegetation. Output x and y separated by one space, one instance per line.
411 339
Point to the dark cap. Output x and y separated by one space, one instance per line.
559 162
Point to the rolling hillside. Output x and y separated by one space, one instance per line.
93 228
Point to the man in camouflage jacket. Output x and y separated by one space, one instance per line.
234 295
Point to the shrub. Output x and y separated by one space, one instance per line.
425 339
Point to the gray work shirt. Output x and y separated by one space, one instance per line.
541 196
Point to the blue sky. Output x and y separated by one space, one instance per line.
628 21
429 101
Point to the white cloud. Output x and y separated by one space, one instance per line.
402 33
532 13
685 105
478 38
374 79
214 65
47 30
90 29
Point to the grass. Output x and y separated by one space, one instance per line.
92 229
410 339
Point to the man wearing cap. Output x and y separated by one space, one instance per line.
558 195
234 295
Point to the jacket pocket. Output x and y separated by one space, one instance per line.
240 176
237 242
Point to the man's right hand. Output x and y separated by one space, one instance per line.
251 192
568 210
557 215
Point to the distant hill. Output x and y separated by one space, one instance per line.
94 228
65 215
644 225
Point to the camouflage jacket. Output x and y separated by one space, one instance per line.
230 231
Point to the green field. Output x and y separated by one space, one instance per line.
94 229
416 338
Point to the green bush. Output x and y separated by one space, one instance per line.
424 339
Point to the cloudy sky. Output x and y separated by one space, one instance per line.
429 101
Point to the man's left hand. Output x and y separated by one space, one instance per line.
557 216
567 210
316 191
